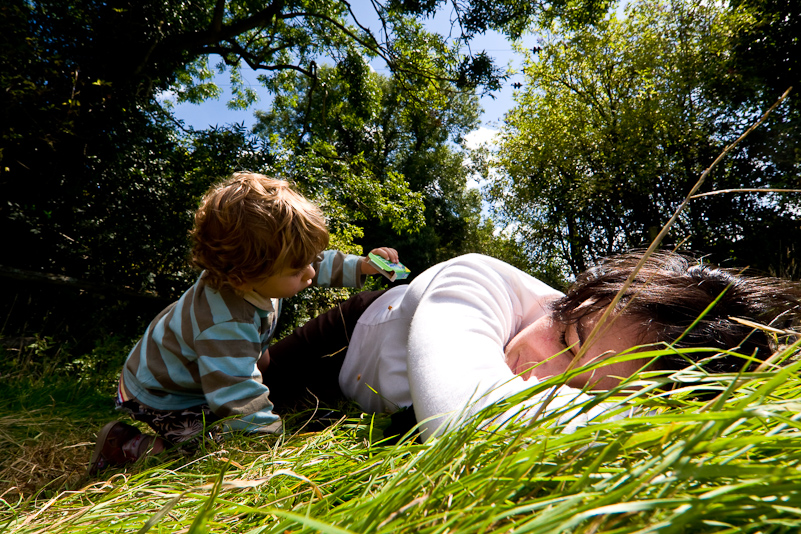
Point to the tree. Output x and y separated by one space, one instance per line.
365 123
98 179
79 102
616 125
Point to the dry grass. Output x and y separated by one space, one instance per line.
47 429
40 452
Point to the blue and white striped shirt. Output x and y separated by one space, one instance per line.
204 349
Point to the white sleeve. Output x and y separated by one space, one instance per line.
465 316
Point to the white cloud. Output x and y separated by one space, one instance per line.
165 95
482 137
479 137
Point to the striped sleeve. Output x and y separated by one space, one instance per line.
337 269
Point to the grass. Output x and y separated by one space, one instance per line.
728 463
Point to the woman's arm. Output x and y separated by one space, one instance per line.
465 316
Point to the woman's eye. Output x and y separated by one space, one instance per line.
568 344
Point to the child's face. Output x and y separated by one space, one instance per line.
539 342
285 284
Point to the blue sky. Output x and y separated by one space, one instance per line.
216 112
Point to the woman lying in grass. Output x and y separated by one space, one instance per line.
473 331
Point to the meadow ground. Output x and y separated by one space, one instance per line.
728 462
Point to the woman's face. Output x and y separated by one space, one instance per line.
543 340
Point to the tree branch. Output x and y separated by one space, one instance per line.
378 48
722 191
306 116
219 11
218 32
251 61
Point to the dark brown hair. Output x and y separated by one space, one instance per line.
672 291
252 226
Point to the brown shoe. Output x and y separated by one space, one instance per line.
109 448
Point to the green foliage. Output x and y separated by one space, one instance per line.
82 121
392 166
765 53
515 18
101 366
99 181
38 359
617 123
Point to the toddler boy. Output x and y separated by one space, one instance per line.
257 241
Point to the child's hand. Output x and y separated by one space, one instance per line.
385 252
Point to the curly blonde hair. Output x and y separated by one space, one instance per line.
252 226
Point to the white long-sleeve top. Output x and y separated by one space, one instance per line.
438 344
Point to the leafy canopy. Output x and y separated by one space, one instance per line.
360 125
81 80
100 181
616 124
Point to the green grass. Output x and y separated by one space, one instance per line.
727 463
